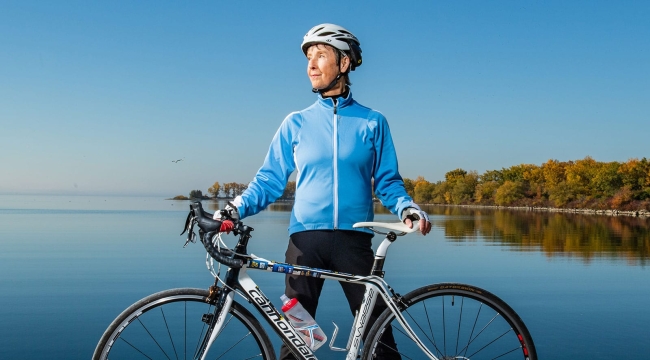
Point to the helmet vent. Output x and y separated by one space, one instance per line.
327 33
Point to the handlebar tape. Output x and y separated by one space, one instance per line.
221 255
209 227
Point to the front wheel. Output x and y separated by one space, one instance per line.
454 321
171 324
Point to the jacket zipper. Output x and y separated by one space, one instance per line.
336 170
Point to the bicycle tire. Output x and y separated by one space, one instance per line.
170 325
454 321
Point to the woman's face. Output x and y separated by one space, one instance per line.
322 68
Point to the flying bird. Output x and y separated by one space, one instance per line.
175 161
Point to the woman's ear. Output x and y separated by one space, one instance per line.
345 64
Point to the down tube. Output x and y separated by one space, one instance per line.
279 323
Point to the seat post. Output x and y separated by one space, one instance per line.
380 255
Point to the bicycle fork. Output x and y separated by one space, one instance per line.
216 320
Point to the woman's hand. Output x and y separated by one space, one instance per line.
411 214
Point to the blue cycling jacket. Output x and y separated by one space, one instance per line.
336 148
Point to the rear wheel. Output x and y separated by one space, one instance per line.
454 321
172 324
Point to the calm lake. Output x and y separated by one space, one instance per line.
70 264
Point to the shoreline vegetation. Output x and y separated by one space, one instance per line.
583 186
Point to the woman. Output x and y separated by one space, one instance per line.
338 147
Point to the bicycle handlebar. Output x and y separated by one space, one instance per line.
208 227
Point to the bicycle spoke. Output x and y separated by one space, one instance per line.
168 332
460 319
135 348
155 325
490 343
152 338
431 339
469 339
233 346
482 325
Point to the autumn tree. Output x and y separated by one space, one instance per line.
634 173
553 172
238 189
214 189
409 185
423 191
227 189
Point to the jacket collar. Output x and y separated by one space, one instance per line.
341 102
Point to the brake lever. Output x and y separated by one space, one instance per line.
191 237
189 227
189 219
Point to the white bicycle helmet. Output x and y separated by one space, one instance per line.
336 36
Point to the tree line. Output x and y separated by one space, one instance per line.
584 183
233 189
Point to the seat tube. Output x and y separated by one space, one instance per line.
361 320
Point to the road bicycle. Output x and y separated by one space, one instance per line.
440 321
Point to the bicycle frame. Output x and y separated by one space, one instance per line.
238 279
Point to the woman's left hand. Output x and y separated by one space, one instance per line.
411 214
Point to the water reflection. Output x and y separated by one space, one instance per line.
575 235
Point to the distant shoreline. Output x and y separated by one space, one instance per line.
633 213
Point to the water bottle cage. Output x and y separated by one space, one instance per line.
309 331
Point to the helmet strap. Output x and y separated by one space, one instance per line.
328 87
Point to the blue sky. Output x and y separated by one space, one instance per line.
100 97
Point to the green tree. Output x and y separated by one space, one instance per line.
606 180
464 188
453 175
196 194
508 193
562 193
492 175
485 192
634 172
440 191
